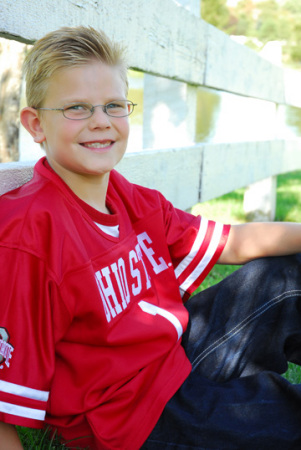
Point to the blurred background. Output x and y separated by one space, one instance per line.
271 28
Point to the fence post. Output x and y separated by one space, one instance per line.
260 198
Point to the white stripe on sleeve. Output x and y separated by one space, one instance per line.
215 240
22 411
194 249
23 391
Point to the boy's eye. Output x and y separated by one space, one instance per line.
78 107
116 105
78 111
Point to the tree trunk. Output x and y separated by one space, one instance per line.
12 55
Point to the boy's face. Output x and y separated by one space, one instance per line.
88 147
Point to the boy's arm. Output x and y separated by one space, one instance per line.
255 240
9 438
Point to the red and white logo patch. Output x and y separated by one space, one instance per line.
6 349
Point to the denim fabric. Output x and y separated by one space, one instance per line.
241 334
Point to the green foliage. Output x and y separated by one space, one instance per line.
293 6
264 21
215 12
273 23
208 102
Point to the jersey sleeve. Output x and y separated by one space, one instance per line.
195 244
27 337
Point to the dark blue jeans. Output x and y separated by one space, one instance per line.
241 334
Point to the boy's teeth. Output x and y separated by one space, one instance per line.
99 144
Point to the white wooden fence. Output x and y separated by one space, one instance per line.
165 39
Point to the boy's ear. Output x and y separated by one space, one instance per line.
31 121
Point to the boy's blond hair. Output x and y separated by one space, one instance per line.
68 47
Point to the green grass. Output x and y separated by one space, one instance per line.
227 209
37 439
289 197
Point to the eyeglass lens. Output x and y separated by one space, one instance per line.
120 108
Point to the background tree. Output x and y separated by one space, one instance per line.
293 8
216 12
261 22
243 15
12 54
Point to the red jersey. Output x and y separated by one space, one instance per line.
91 324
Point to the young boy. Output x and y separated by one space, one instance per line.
94 338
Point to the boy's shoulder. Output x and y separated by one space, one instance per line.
30 211
31 196
131 192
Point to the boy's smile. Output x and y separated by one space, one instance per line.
97 145
86 149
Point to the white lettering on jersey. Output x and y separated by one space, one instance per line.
109 311
120 276
149 252
135 273
6 349
109 291
123 278
140 258
154 310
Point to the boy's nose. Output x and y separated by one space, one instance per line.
100 117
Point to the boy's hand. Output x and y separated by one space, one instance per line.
9 439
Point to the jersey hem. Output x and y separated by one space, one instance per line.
139 439
21 421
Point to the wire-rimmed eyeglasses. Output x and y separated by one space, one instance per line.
80 111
